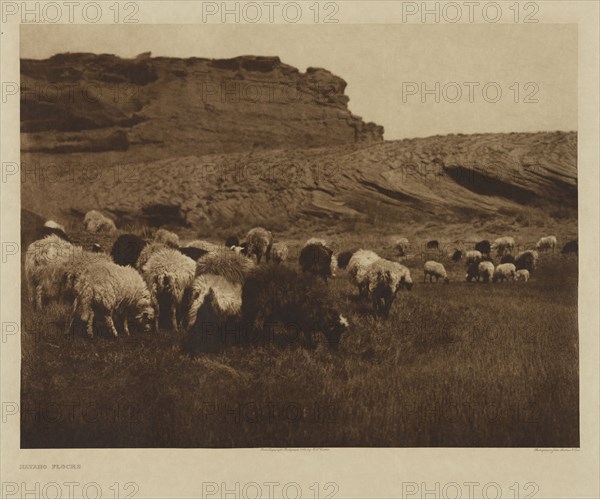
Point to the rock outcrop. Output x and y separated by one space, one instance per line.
184 106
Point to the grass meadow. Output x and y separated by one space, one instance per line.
458 365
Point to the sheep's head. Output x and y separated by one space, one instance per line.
446 280
145 314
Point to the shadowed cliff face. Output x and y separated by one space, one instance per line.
184 106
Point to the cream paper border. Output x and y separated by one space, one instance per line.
359 473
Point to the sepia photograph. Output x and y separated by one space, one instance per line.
253 236
299 249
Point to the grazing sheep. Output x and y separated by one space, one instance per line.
67 274
508 259
384 279
401 244
522 275
357 268
546 243
298 302
484 247
41 258
486 271
259 242
456 256
95 222
318 260
127 249
167 237
473 256
55 225
224 269
167 273
193 253
433 269
503 245
527 260
473 271
232 241
571 247
433 244
228 297
42 232
279 252
111 291
504 272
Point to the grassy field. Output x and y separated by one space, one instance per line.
459 365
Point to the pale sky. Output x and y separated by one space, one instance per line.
378 62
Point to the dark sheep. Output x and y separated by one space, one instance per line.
193 253
42 232
316 259
126 249
232 241
473 271
526 260
484 247
433 244
571 247
456 256
508 259
277 298
344 258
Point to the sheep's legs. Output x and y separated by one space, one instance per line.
111 325
125 326
174 317
88 318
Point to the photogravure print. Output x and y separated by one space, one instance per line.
274 230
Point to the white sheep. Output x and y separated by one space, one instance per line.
54 225
504 245
167 237
357 268
384 279
228 296
522 275
147 252
168 273
279 252
259 242
114 292
222 268
472 256
401 244
504 272
546 243
94 222
42 259
486 271
433 269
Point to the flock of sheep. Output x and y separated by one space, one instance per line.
219 293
